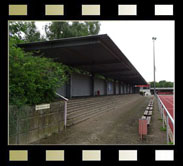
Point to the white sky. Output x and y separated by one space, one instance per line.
134 38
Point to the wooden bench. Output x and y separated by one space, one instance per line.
148 120
146 113
150 113
143 117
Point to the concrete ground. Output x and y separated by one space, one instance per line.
113 127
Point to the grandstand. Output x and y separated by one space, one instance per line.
90 96
96 54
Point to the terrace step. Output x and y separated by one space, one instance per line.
87 105
83 109
86 111
82 118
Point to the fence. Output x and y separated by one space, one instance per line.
165 115
29 124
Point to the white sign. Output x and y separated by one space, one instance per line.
42 106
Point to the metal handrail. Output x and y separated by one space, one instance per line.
167 118
65 109
62 97
172 120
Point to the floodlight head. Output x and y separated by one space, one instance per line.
154 38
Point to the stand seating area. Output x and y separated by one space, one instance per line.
85 108
145 120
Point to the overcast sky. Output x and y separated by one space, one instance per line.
134 38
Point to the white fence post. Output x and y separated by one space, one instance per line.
65 109
163 118
167 128
65 114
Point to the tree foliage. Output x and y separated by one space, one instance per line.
24 31
162 84
33 80
57 30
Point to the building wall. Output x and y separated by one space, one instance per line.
117 88
128 89
122 90
81 85
99 85
62 90
110 88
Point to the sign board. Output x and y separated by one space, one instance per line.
42 106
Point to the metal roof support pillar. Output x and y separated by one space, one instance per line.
139 90
92 85
133 89
122 88
119 87
125 88
129 89
114 84
105 86
69 87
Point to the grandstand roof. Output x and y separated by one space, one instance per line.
95 54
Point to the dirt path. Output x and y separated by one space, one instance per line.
119 127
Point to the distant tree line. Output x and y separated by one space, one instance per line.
26 31
161 84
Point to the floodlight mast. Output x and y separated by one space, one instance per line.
154 38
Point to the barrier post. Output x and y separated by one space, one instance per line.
163 119
65 109
167 128
65 114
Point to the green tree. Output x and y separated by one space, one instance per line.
57 30
33 80
24 31
162 84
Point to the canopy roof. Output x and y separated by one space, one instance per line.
95 54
